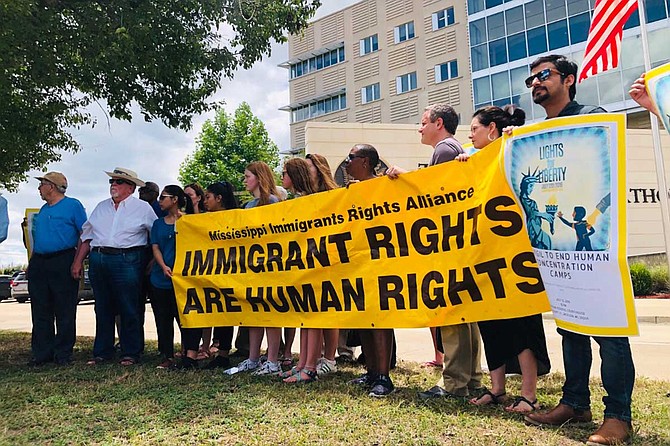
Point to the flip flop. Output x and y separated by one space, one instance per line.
514 408
432 364
96 361
127 361
495 399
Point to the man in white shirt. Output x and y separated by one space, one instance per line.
116 234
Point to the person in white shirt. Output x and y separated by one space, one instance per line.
116 235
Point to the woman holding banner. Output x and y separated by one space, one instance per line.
163 301
220 197
297 179
334 339
259 181
515 345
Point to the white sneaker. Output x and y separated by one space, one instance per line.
248 365
325 366
268 368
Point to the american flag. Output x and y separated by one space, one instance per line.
603 45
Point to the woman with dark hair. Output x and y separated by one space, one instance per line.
515 345
334 339
174 201
220 197
259 181
197 196
296 178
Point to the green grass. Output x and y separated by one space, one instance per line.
109 404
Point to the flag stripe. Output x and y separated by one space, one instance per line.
603 45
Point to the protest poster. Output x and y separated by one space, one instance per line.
657 82
569 175
438 246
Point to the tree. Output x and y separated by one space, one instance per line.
225 146
168 56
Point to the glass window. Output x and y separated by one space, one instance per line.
659 50
655 10
517 46
555 10
333 57
329 105
443 18
406 82
340 54
514 20
477 32
498 52
453 68
482 90
479 56
326 60
534 14
475 6
343 101
500 84
631 54
493 3
517 78
538 112
587 91
537 40
496 26
501 102
558 34
319 62
577 6
579 28
370 93
446 71
404 32
610 87
633 20
525 102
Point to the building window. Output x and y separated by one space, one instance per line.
369 45
405 83
318 108
446 71
403 32
537 40
370 93
317 63
443 18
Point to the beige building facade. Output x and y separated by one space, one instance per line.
400 145
379 61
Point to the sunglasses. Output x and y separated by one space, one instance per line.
352 157
541 76
165 196
119 181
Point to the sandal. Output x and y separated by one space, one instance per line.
202 354
514 408
299 377
289 373
432 364
96 361
127 361
285 362
494 399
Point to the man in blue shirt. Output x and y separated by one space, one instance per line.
4 218
53 291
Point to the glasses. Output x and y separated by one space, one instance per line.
119 181
352 157
541 76
165 196
43 184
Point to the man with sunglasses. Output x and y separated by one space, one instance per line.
552 81
53 291
117 234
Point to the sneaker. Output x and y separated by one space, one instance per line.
325 366
382 387
219 362
248 365
268 368
167 364
365 380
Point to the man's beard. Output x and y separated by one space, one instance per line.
541 96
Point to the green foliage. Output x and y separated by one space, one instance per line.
168 57
225 146
641 277
11 269
659 278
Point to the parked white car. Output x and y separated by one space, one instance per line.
19 286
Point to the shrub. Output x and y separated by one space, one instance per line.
641 277
659 278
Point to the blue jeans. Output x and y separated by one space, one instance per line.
116 280
617 373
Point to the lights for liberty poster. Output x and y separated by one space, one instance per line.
569 176
658 88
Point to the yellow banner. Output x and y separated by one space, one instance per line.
439 246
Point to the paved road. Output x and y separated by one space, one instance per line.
651 350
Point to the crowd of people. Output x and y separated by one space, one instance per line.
125 236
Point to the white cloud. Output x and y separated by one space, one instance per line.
151 149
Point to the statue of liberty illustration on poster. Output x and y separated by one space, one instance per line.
569 177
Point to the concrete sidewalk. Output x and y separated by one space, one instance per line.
651 350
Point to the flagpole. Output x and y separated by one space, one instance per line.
656 136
